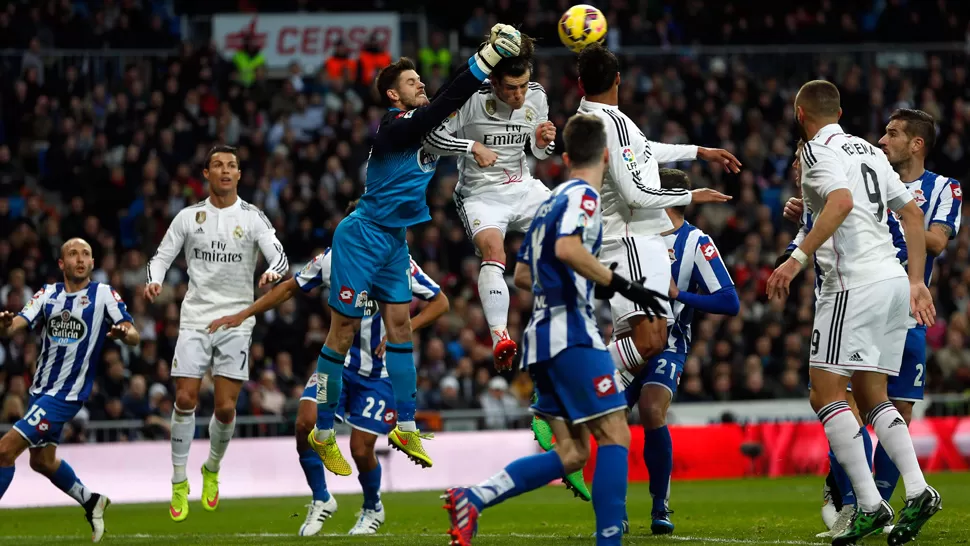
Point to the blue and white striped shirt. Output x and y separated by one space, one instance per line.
562 308
75 327
363 361
940 199
695 264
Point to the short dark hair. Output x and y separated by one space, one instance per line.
598 68
518 65
585 140
388 76
675 179
220 149
819 99
918 124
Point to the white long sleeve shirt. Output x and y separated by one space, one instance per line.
486 119
220 249
633 201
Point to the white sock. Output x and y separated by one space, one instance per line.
183 430
219 435
625 355
80 493
492 488
407 426
894 436
842 431
322 435
494 293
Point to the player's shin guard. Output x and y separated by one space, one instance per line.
370 483
845 439
494 293
521 476
625 355
887 475
313 470
609 493
219 435
6 476
330 373
66 480
658 454
894 436
399 360
183 430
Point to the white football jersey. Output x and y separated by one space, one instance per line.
220 250
486 119
633 200
861 250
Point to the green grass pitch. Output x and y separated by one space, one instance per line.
753 511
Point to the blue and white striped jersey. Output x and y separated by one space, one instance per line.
75 327
361 358
696 266
940 199
562 308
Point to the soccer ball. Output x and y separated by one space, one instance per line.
581 26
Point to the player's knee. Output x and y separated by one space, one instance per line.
653 415
185 401
42 465
362 453
225 412
573 457
492 246
7 456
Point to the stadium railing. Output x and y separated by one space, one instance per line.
703 413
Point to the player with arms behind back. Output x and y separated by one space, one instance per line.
864 306
220 237
367 400
563 351
370 252
78 316
496 192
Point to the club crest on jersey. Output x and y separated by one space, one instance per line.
490 107
604 385
238 232
956 190
672 255
346 295
709 251
427 161
84 301
588 204
629 159
919 197
200 217
65 329
530 114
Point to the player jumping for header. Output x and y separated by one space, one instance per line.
78 315
370 252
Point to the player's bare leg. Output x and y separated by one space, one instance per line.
922 501
657 453
11 446
330 370
645 339
183 431
493 291
371 515
323 505
828 399
221 427
575 481
399 362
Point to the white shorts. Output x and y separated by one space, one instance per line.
862 329
636 258
507 208
226 352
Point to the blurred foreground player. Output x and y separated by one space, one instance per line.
578 390
370 252
78 315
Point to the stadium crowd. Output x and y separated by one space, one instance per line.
112 157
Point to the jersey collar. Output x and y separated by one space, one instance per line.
830 129
590 105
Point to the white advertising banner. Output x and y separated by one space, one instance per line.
308 38
263 467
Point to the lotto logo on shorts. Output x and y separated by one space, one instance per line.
604 385
390 417
709 251
43 426
346 295
588 204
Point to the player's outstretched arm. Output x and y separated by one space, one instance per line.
11 323
169 248
437 306
723 302
270 300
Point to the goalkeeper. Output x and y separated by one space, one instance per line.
370 252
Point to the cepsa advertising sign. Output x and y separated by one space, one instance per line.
308 38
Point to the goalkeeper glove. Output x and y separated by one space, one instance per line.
503 42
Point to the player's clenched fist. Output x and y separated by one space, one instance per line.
483 156
545 134
6 319
152 291
794 209
119 331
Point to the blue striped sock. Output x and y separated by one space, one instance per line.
330 373
6 476
609 493
399 360
315 476
370 483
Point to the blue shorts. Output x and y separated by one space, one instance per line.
365 404
368 261
908 385
663 369
577 385
45 419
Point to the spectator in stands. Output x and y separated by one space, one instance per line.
16 283
501 408
341 65
372 58
436 56
248 60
